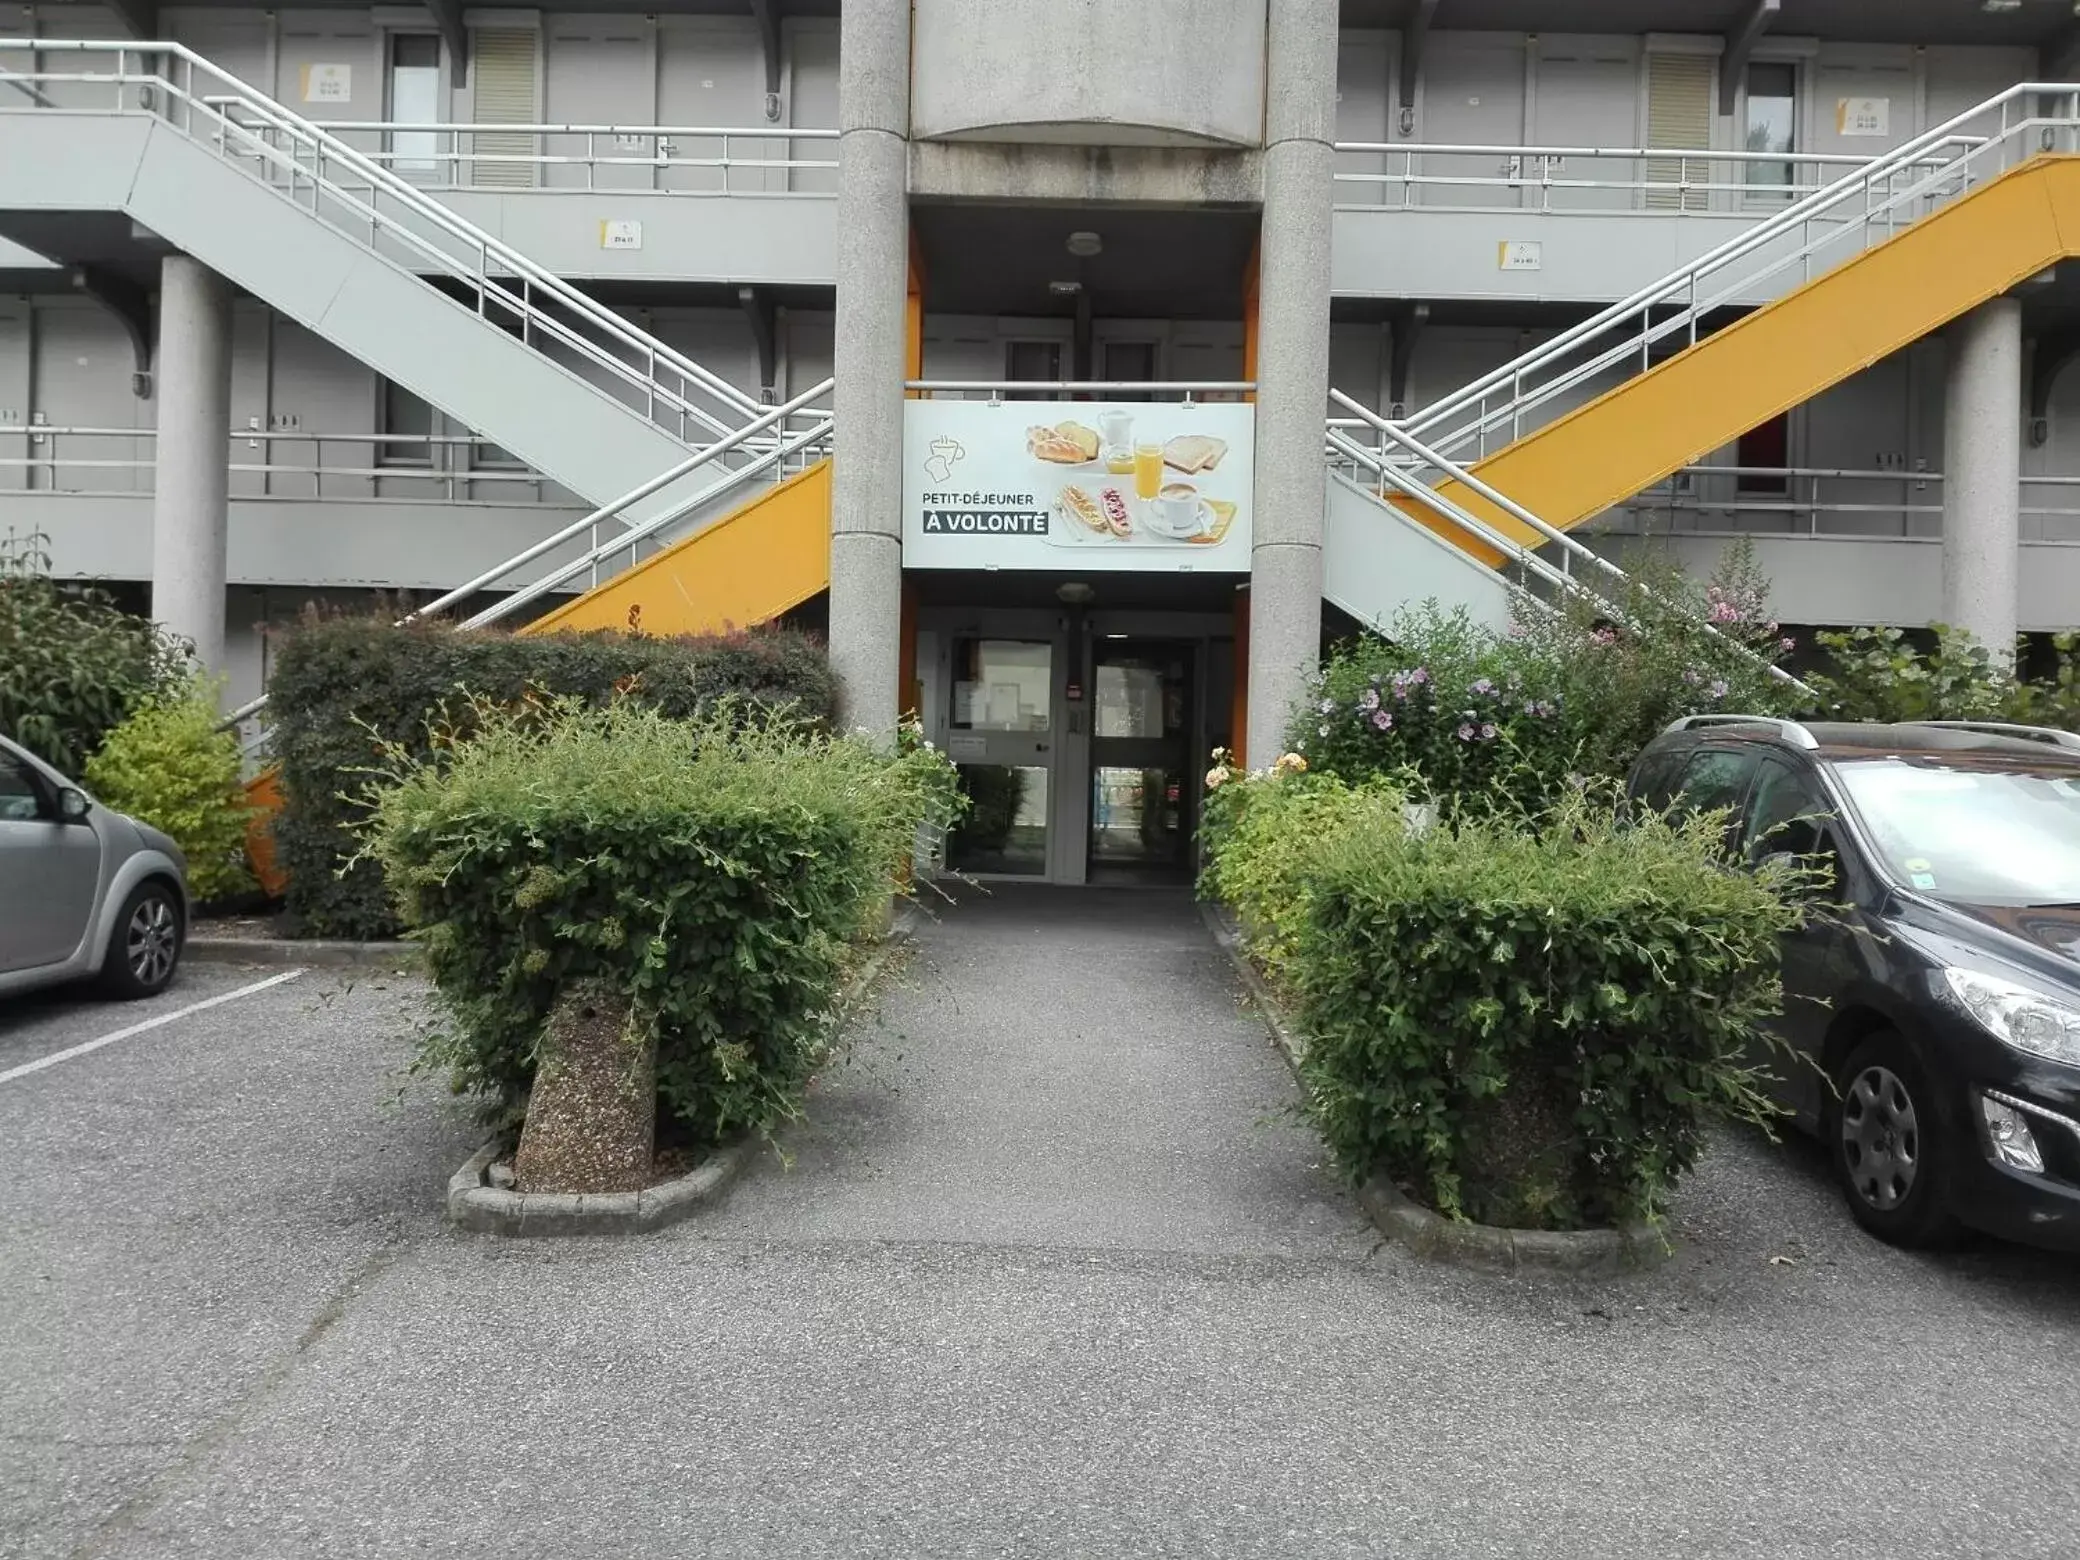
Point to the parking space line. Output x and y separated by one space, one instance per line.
85 1046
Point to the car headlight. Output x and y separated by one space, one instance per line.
2018 1016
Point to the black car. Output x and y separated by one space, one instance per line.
1939 989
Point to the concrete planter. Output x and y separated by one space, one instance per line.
475 1203
1432 1236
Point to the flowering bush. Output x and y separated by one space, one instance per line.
1510 717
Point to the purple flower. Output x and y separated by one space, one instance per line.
1787 643
1369 699
1466 733
1419 676
1483 685
1717 689
1382 721
1488 731
1692 676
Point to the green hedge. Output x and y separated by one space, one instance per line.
346 690
73 665
1523 1026
711 871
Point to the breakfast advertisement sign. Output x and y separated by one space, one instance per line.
1078 485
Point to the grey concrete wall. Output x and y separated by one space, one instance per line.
1100 72
1865 581
386 544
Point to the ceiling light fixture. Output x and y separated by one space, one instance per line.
1083 244
1998 6
1065 289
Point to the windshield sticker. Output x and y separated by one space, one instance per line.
1924 880
1916 864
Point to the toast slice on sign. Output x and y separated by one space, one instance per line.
1193 453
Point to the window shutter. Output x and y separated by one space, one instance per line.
502 70
1679 116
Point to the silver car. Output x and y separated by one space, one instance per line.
83 891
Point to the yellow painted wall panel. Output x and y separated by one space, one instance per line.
1782 355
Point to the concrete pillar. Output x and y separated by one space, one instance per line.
191 483
1982 474
873 272
1292 366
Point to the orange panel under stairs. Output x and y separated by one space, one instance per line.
770 555
1782 355
759 561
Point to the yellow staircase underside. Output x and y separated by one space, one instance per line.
747 568
1605 452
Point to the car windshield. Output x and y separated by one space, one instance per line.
1959 829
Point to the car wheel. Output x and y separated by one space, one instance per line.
1889 1148
145 947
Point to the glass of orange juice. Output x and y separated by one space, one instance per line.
1148 470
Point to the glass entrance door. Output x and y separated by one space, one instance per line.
1000 736
1142 799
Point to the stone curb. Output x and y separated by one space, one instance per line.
474 1204
494 1210
314 954
1432 1236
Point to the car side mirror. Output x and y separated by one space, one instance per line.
73 806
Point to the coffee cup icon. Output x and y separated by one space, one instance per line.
945 454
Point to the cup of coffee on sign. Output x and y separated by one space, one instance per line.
1177 509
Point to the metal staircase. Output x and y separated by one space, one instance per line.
157 135
1844 276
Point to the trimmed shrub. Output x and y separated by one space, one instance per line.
345 690
710 872
1531 1027
73 665
1262 836
170 766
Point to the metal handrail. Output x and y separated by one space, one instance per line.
1406 483
642 490
1518 512
506 605
645 381
612 511
380 179
1630 153
1914 154
647 132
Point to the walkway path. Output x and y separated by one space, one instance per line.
1063 1068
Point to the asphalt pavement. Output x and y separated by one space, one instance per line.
1051 1269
